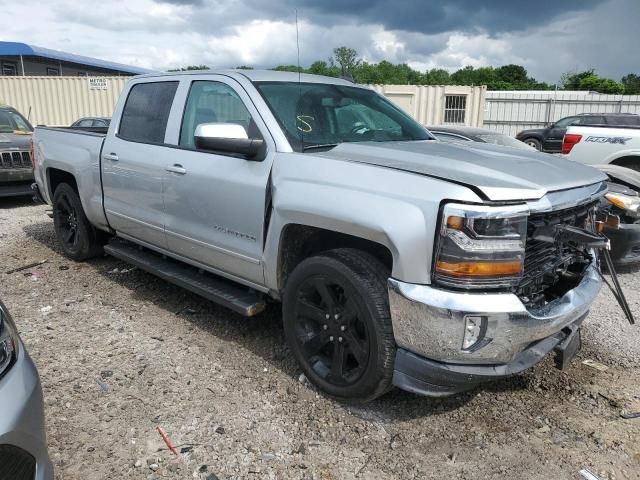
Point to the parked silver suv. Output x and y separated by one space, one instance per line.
23 447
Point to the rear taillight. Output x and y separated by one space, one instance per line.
569 141
32 154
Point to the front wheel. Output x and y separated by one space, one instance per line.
338 325
78 238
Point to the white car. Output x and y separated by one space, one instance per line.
597 145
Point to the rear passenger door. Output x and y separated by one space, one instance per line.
216 202
134 161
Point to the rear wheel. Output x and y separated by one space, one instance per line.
338 325
533 142
78 238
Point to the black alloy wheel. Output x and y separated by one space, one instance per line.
78 238
338 325
334 339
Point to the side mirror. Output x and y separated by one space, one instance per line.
228 138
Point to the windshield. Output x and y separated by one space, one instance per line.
316 115
505 140
13 122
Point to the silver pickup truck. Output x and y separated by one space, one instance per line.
399 259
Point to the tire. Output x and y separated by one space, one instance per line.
533 142
349 357
78 238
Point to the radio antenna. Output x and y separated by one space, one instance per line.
299 82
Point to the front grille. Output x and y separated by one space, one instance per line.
16 464
15 159
545 263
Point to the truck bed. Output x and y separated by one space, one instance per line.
77 152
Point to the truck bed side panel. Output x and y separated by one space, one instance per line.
602 145
77 153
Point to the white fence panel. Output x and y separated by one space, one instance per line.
510 112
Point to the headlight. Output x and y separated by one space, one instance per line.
630 204
480 246
8 341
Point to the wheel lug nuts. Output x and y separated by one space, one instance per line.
342 328
340 339
336 316
331 338
324 327
327 316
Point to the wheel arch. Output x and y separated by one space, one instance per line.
298 242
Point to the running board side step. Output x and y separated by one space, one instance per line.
212 287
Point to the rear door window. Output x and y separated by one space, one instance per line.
146 112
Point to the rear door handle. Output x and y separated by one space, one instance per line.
111 156
176 168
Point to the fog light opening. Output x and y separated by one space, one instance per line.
475 327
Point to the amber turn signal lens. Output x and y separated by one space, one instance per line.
479 269
456 223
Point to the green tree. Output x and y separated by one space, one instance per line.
190 68
631 84
244 67
436 76
513 74
346 58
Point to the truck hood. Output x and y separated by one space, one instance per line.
495 172
12 141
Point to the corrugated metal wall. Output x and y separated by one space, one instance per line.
426 103
61 100
509 112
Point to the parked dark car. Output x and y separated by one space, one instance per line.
23 446
473 134
16 170
550 139
622 200
92 122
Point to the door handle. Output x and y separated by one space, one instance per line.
176 168
111 156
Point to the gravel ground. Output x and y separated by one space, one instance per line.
121 352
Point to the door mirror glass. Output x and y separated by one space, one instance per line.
228 138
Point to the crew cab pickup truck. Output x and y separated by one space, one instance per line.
399 259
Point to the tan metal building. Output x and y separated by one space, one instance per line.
49 100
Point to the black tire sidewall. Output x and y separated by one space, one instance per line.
376 378
85 246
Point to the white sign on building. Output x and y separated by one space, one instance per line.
97 83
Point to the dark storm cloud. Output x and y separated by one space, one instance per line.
429 16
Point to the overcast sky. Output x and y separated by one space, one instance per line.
548 37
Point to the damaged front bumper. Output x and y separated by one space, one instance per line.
429 327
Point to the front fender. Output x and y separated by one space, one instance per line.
400 213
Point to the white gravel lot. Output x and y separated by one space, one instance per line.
121 352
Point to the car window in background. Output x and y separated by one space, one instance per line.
591 120
504 140
316 115
214 102
13 122
449 137
565 122
85 123
146 112
99 123
625 120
